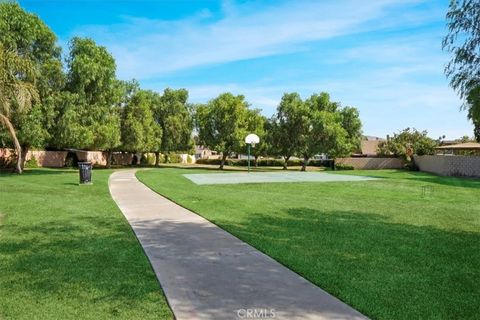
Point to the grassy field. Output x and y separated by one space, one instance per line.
66 252
404 247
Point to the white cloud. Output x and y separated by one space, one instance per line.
146 48
395 81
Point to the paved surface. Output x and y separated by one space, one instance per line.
206 273
268 177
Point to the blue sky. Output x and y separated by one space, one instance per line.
383 57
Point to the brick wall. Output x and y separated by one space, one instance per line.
446 165
52 159
371 163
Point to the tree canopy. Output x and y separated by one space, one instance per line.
140 131
463 42
222 124
17 92
80 104
287 126
174 116
407 143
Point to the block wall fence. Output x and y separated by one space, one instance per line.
450 165
371 163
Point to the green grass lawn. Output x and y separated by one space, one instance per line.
404 247
66 252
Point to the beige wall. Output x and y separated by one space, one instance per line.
447 165
97 158
123 159
371 163
52 159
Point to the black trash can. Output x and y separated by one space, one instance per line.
85 169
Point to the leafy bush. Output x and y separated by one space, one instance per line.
173 157
209 161
71 161
148 159
31 163
6 163
270 163
190 159
340 166
244 162
407 143
295 162
321 163
411 166
240 163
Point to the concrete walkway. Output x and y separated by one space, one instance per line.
206 273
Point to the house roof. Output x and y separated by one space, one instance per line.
461 146
370 146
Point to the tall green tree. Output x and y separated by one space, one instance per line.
92 82
463 42
140 132
324 130
173 114
407 143
287 127
350 118
222 124
17 92
26 35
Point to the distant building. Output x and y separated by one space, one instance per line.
468 148
369 146
202 152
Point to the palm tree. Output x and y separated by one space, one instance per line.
17 92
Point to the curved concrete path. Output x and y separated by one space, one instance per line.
206 273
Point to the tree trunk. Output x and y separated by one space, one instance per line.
224 158
109 158
24 156
255 161
285 162
305 163
18 148
157 159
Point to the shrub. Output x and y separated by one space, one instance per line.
270 162
240 163
31 163
321 163
190 159
71 161
210 161
173 157
148 159
6 163
294 162
411 166
344 167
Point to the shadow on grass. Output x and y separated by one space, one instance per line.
464 182
236 168
81 258
385 270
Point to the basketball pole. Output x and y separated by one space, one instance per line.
249 157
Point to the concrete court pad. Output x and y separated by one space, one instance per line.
207 273
270 177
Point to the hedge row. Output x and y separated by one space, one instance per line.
266 162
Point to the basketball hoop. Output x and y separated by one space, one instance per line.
251 140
